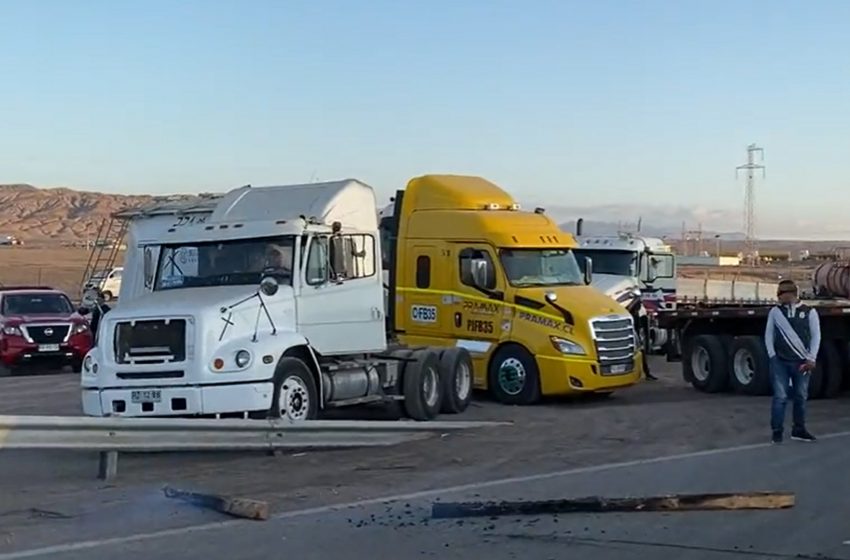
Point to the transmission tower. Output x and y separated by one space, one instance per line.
750 242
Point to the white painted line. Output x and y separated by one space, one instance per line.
87 545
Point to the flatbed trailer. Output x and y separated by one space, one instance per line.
721 345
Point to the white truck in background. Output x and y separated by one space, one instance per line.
264 301
637 271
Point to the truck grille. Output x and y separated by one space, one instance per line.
48 334
150 342
614 338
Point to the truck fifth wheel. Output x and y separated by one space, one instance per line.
263 301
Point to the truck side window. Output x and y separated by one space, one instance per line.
472 258
423 271
317 262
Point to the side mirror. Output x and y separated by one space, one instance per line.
588 270
269 285
148 267
83 310
551 297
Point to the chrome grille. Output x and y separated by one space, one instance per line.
614 339
150 341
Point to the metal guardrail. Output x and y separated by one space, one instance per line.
111 435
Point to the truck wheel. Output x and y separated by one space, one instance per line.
513 376
705 364
749 366
832 369
5 371
294 396
423 395
456 379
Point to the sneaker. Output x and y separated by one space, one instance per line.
803 435
777 437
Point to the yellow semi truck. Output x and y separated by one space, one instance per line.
466 267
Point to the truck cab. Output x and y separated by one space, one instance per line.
465 266
263 301
629 268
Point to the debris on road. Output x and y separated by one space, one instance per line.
597 504
237 507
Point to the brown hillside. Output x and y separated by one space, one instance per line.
57 215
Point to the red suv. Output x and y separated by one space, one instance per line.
39 324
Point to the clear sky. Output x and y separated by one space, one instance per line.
564 103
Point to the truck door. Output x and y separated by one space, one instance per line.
478 321
424 311
340 307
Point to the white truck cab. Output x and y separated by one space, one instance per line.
628 266
262 301
107 281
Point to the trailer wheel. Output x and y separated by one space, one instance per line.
295 396
749 366
513 376
423 394
456 379
705 364
832 370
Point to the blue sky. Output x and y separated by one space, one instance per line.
570 104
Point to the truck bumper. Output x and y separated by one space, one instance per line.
563 376
177 400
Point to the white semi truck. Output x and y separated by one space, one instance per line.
632 268
264 301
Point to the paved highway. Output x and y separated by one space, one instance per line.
52 507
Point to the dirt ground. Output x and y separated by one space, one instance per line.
59 267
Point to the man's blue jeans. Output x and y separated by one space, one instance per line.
781 372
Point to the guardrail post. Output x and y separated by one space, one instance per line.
107 468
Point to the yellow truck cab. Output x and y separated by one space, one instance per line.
467 267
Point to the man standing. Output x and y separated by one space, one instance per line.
792 338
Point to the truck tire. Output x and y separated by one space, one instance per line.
833 369
749 366
705 363
423 394
513 376
294 396
456 379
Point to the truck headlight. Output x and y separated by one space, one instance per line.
89 366
565 346
243 358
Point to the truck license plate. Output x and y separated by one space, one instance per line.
618 368
146 396
48 347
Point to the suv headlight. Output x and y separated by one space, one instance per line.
565 346
12 331
80 328
243 358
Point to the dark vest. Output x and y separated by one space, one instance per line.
800 324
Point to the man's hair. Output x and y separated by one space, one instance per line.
785 287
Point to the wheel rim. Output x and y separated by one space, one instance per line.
463 381
701 364
431 386
744 366
512 376
294 400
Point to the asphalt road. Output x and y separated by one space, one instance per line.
52 507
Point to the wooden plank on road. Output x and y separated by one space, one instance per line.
596 504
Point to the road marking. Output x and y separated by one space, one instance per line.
87 545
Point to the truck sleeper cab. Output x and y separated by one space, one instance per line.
467 268
262 302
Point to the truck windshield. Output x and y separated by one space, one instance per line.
617 263
225 263
36 304
541 267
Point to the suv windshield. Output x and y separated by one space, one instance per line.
619 263
541 267
225 263
36 304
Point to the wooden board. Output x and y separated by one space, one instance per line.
237 507
595 504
